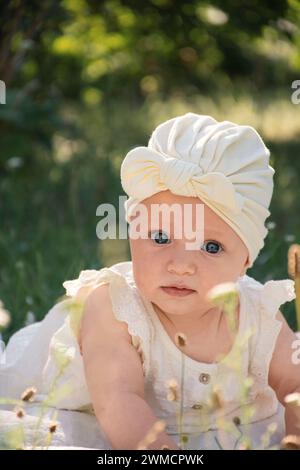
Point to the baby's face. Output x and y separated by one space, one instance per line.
163 260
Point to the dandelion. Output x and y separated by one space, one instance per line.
4 316
28 394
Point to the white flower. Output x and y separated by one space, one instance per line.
223 293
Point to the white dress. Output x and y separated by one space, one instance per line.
216 411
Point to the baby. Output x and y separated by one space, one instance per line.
150 353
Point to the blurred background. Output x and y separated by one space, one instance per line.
87 80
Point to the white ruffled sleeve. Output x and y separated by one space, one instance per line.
266 300
127 307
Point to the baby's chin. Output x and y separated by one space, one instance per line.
180 305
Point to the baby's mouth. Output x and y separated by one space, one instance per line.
177 291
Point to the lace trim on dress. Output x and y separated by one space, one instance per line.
266 300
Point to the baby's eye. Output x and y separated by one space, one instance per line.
212 247
160 237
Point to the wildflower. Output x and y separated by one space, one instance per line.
180 340
223 294
151 436
28 394
216 399
52 427
172 386
20 413
4 316
236 420
245 444
159 426
226 297
272 427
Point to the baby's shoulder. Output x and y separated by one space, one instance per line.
98 319
98 315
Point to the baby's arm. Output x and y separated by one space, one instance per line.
114 376
284 373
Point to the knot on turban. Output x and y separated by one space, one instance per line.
224 164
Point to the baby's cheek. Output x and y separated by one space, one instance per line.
141 277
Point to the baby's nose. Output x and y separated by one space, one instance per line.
182 266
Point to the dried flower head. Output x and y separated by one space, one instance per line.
236 420
216 399
180 340
52 426
28 394
172 386
294 260
19 412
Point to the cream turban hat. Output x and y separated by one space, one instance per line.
226 165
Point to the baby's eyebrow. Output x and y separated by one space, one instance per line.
213 232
